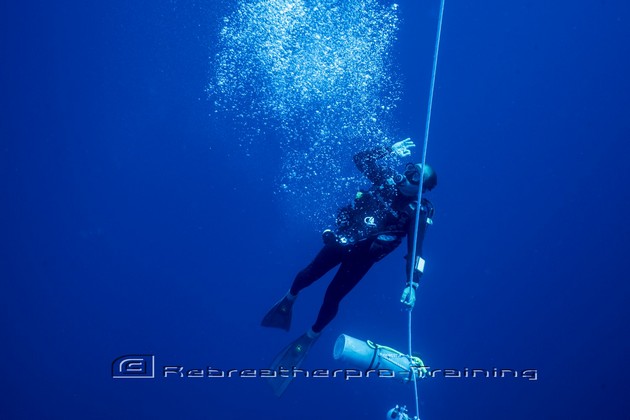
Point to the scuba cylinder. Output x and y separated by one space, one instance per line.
370 356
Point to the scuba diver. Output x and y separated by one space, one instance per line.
367 231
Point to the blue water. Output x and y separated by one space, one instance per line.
141 216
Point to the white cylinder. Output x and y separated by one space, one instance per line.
353 351
366 355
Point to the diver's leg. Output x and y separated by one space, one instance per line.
348 276
279 316
324 261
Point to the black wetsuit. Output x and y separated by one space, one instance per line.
366 232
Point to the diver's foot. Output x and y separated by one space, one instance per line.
280 315
290 359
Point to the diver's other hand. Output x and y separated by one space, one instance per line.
409 296
401 148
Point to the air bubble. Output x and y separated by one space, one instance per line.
319 71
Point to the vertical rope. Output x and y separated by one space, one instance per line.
419 207
413 371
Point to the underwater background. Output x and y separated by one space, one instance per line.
167 167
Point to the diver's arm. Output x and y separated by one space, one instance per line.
415 266
367 162
418 265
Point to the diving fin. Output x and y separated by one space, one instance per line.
289 359
280 315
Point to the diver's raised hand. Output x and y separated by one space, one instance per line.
401 148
